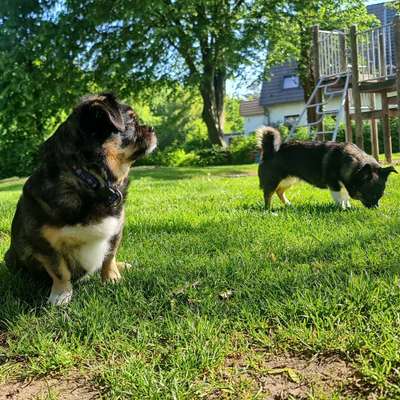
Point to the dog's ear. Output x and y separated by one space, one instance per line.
384 172
100 117
365 173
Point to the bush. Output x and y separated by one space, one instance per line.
214 156
179 158
243 149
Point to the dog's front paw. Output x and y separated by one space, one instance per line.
344 205
111 275
60 299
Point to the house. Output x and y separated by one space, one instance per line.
281 99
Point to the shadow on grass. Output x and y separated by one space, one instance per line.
300 209
20 293
11 187
173 173
164 173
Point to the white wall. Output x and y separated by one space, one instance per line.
278 112
254 122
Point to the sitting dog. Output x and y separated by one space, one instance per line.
70 216
342 167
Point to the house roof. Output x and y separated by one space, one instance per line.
272 91
250 107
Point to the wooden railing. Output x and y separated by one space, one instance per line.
374 49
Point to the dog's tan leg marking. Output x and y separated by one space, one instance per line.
281 194
285 184
110 271
61 290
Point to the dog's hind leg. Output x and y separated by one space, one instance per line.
111 269
269 191
282 197
61 290
268 199
285 184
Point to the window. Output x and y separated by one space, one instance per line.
289 120
291 82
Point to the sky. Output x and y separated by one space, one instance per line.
234 88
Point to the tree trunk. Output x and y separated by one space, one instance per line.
212 90
306 72
308 86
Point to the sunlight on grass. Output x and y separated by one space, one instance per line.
310 280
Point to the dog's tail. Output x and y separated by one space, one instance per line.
268 141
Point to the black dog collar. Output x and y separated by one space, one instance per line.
112 196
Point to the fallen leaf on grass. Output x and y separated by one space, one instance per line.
227 294
291 373
182 289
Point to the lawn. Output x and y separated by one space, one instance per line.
224 300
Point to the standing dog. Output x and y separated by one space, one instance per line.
342 167
70 215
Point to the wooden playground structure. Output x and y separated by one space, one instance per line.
358 69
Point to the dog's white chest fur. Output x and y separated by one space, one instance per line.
88 244
91 254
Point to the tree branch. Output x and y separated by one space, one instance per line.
183 49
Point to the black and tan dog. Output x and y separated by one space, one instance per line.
342 167
70 216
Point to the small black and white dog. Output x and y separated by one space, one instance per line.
342 167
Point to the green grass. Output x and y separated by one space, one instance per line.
311 280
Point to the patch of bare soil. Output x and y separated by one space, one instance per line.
279 377
72 387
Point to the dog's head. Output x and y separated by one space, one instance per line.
105 126
368 184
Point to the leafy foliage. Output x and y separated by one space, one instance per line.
38 81
202 43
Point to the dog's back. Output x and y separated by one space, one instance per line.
303 160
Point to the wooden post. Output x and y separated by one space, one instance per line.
387 139
349 130
374 131
343 58
355 88
382 53
318 97
396 27
343 67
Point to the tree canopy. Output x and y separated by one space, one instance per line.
200 43
53 51
297 18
